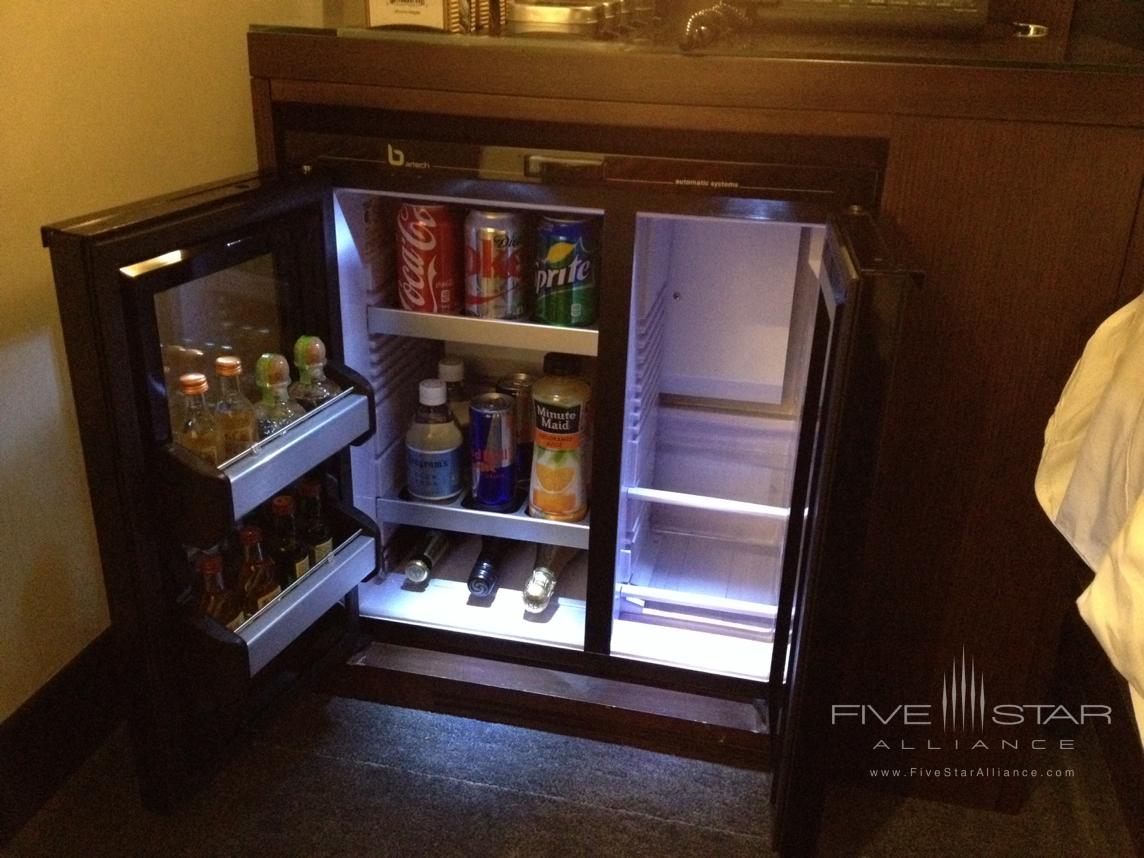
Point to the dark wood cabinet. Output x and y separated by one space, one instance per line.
1018 190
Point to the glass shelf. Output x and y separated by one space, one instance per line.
469 329
456 517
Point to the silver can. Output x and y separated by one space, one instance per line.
494 265
518 385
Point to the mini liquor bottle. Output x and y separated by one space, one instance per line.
291 556
312 387
257 580
233 411
196 428
275 410
312 527
220 604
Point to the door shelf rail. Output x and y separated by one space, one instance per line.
457 517
269 631
227 660
469 329
204 502
704 502
698 601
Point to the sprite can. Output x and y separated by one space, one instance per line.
567 263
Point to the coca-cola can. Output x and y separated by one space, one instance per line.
428 258
494 259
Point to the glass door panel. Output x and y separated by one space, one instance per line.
234 311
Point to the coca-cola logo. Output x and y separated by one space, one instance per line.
418 271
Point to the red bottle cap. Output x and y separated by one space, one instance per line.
208 564
310 488
250 536
282 505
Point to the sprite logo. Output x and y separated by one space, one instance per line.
565 264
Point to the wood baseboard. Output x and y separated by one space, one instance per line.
47 738
725 731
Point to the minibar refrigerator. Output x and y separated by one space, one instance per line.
749 309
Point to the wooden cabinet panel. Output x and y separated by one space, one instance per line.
1022 231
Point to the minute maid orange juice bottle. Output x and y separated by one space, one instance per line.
561 441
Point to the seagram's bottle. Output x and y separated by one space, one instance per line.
196 428
551 561
433 545
233 411
433 448
312 387
275 410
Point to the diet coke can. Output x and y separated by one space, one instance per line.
494 259
428 261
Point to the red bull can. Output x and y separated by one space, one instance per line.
494 262
492 442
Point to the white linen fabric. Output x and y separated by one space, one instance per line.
1091 485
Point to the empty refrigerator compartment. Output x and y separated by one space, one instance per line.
715 366
444 601
717 461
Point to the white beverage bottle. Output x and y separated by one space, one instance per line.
451 370
434 448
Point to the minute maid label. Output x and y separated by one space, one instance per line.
558 428
558 487
433 475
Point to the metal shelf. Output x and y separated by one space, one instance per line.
273 628
469 329
456 517
283 457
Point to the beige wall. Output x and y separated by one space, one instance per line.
103 101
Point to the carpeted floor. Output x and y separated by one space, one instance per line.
336 777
